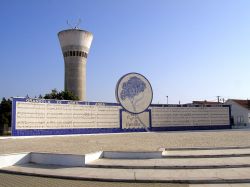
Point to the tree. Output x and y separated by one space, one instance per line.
63 95
5 114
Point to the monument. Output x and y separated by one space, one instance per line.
135 94
133 112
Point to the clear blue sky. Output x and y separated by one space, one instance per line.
188 49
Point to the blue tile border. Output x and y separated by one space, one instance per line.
183 128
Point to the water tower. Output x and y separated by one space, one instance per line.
75 45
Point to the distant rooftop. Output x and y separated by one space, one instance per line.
205 102
244 103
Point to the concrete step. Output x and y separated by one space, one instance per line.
206 153
221 175
179 153
173 163
203 148
182 165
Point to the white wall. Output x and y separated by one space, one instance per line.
237 111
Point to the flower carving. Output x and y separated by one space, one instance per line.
133 87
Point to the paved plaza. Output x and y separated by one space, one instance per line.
81 144
153 141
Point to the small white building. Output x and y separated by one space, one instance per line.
240 111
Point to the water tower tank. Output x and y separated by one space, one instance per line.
75 45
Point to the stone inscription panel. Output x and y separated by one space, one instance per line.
189 116
31 115
130 121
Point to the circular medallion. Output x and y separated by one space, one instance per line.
134 93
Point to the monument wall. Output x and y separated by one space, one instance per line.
48 117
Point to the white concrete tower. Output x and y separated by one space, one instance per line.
75 44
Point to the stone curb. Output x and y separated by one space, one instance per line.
213 181
166 167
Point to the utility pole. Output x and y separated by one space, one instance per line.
167 99
218 99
